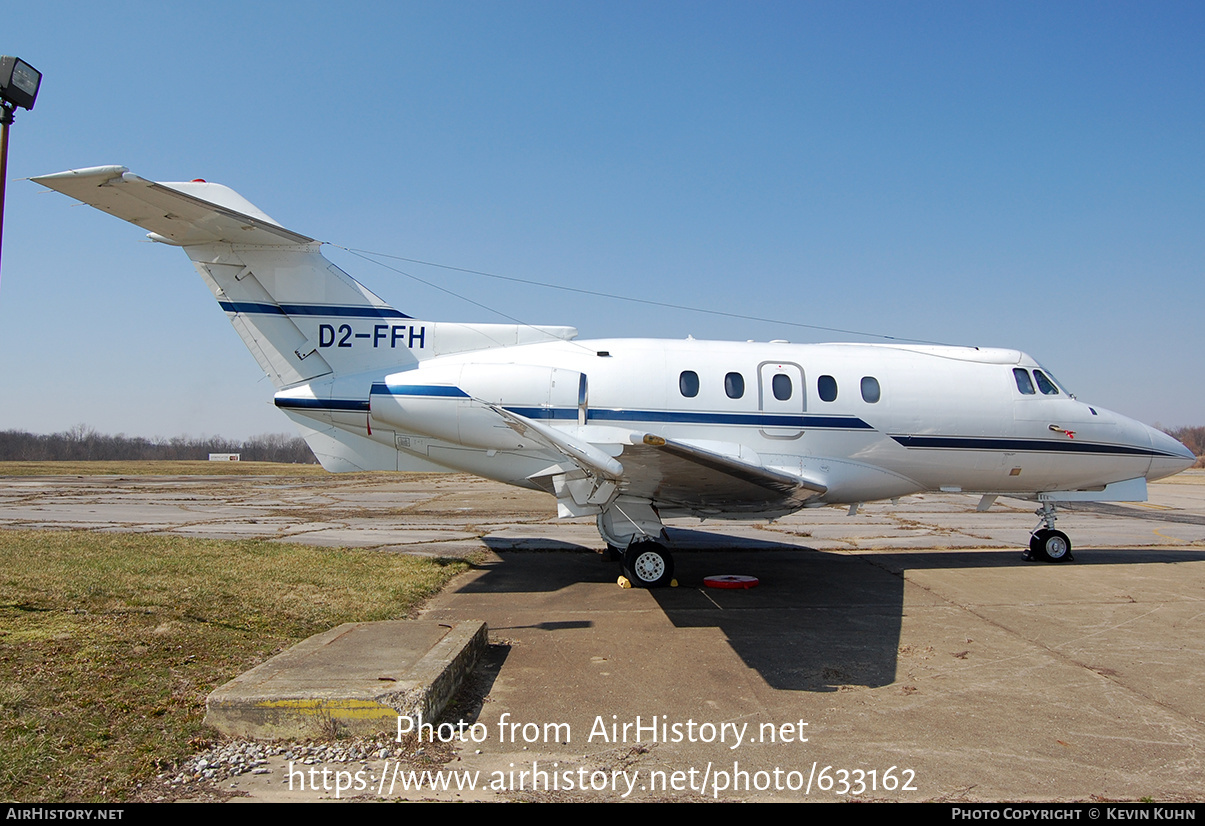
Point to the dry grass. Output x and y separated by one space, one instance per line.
157 468
1192 476
109 643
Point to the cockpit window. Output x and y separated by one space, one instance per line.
1024 383
1047 387
688 383
1062 387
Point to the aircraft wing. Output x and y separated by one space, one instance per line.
678 475
672 474
194 212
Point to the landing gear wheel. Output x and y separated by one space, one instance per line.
648 565
1050 546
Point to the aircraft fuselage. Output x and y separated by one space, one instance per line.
868 422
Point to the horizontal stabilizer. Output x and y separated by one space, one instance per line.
183 214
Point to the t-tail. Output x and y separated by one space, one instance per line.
318 334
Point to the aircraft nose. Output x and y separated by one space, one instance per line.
1170 456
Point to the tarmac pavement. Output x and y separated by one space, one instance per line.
913 648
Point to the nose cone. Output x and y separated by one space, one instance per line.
1170 456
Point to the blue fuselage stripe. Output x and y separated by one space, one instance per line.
322 404
379 389
327 310
1023 445
598 414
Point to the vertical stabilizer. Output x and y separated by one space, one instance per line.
299 315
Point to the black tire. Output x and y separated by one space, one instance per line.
1050 546
648 565
1035 546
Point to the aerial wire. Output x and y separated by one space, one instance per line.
365 255
371 256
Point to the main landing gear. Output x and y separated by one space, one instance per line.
1045 543
648 564
635 536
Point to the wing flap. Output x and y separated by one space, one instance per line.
184 214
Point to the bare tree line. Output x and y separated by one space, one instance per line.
1192 438
82 443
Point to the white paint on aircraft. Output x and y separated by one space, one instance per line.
634 431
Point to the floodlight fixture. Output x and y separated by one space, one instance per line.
19 83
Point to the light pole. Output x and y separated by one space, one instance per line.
19 84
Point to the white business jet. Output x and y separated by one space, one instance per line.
634 431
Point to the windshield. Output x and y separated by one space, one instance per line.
1044 378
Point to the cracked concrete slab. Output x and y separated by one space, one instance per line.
908 637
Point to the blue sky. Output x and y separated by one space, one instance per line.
1026 175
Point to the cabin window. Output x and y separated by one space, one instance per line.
1024 384
688 383
1044 384
870 389
827 387
781 385
734 385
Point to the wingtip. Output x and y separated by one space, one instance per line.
105 172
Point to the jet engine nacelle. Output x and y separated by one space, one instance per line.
455 402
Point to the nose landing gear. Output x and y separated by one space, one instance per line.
1045 543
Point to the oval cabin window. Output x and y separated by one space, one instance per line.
734 385
870 389
781 384
827 387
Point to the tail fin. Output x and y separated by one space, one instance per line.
299 315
